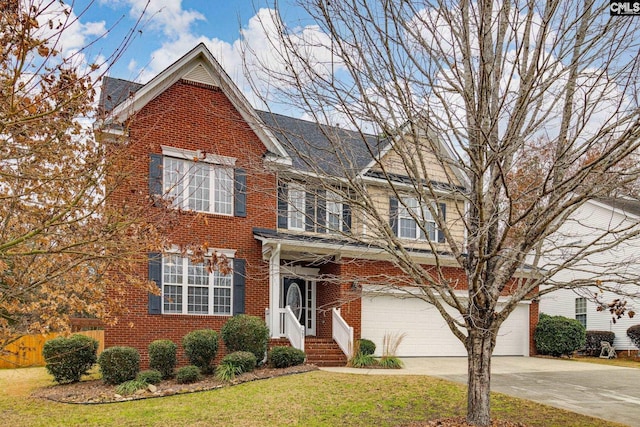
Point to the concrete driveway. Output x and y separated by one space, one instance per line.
607 392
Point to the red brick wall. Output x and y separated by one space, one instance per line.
197 117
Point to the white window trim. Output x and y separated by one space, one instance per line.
583 312
192 155
291 210
174 250
184 182
402 206
335 198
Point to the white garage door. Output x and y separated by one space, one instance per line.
427 334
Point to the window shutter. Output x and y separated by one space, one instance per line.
309 211
442 211
240 193
322 211
283 205
155 275
393 214
155 175
239 277
346 217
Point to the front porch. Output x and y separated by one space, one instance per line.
307 300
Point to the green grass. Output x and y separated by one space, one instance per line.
313 399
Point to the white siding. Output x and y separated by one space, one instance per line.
583 227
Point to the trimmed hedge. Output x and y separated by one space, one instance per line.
283 357
634 334
119 364
68 359
246 333
366 347
201 348
593 340
188 374
162 357
558 335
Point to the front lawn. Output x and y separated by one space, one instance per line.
314 398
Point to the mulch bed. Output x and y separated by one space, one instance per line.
95 391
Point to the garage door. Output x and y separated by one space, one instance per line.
427 334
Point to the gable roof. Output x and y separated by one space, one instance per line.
291 141
120 99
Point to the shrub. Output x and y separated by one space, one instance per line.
150 376
634 334
592 345
119 364
362 361
245 360
130 387
227 371
366 346
68 359
246 333
558 335
188 374
162 357
201 347
283 357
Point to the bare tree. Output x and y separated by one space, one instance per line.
475 88
62 246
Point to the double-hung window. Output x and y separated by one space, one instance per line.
581 311
203 185
189 288
296 209
334 212
411 215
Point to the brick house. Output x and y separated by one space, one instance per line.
238 188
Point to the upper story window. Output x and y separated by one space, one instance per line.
296 208
581 311
412 220
311 209
203 183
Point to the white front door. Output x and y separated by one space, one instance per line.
300 295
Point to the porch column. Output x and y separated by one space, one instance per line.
274 292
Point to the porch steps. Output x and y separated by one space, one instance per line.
324 352
320 351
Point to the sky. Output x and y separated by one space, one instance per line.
170 28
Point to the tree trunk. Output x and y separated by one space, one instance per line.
479 349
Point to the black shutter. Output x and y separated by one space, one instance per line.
393 214
309 211
155 275
240 193
442 211
283 205
239 269
346 217
155 175
322 211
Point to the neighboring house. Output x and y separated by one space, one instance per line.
584 225
253 201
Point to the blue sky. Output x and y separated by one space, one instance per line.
170 28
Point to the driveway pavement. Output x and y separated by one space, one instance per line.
607 392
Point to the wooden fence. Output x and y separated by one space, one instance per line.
27 351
